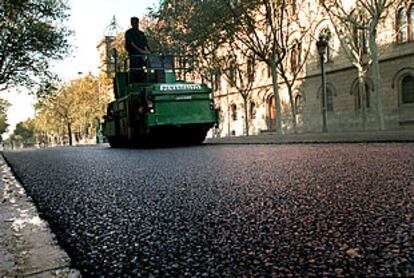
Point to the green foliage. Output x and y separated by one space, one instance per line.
190 27
32 33
119 45
4 105
72 107
24 134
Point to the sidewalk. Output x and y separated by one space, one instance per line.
399 136
27 246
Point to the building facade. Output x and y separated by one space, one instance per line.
344 103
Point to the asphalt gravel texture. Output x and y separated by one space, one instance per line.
214 211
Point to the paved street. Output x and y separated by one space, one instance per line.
246 210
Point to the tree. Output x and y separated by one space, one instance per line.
240 74
260 26
188 27
90 101
76 104
297 41
32 32
204 27
356 25
118 47
24 134
60 107
4 105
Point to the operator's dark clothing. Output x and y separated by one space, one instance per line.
138 38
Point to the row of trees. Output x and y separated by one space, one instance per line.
23 135
229 38
65 112
32 34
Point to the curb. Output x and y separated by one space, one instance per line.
328 138
28 248
316 142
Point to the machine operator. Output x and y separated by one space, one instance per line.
136 44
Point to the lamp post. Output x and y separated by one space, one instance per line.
322 45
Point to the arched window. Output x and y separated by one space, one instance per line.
217 81
295 55
361 39
250 69
358 97
298 104
329 100
408 89
252 110
234 112
402 26
330 94
232 72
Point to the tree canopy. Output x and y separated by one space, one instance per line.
32 33
4 105
23 134
73 107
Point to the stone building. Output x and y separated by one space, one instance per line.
105 48
396 44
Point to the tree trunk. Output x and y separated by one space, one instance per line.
275 84
292 109
376 77
46 143
246 119
362 97
70 133
228 115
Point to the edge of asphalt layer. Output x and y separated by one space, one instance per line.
319 138
328 142
28 247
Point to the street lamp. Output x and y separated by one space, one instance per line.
322 45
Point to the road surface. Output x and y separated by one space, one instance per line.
288 210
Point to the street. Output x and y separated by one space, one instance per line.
207 211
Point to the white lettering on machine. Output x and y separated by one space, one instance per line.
180 87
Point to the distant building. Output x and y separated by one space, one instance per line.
105 48
107 60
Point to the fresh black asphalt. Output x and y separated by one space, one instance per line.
213 211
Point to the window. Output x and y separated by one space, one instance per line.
411 22
295 56
328 57
329 100
298 104
232 75
408 89
234 112
250 69
361 40
358 100
402 26
330 94
252 110
217 81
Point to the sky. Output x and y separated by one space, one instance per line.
89 19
